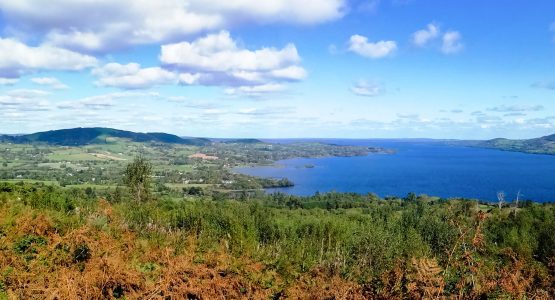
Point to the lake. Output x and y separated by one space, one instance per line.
420 166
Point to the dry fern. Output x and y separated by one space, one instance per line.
425 279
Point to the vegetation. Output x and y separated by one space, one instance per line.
85 136
72 243
176 165
541 145
137 178
130 220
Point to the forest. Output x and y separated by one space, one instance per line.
139 241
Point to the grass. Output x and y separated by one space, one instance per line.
73 155
115 147
179 186
14 164
181 168
55 165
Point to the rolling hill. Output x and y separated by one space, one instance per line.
98 135
243 141
541 145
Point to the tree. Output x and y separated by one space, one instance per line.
137 178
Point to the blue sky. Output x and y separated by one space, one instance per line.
246 68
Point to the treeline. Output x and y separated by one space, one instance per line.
327 245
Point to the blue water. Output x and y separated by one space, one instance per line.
423 167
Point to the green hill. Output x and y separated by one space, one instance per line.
541 145
98 135
244 141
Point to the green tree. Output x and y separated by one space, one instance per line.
137 177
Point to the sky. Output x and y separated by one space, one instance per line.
461 69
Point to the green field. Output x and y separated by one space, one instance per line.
72 155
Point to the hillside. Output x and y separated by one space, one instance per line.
244 141
98 135
59 243
541 145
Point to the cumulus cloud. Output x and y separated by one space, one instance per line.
112 25
421 37
216 59
219 53
50 81
452 42
359 44
366 89
132 76
17 59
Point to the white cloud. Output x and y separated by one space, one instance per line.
256 90
271 11
22 100
366 89
50 81
265 112
360 45
27 93
8 81
132 76
103 101
289 73
111 25
189 79
421 37
516 108
451 42
219 53
216 59
17 59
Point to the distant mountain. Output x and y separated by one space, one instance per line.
98 135
237 140
541 145
243 141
